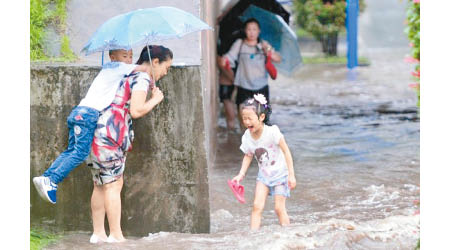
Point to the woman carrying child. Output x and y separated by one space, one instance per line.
113 137
82 122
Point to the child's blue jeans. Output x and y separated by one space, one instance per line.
82 123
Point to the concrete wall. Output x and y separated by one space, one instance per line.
166 178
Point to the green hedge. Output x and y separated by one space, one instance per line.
413 32
323 19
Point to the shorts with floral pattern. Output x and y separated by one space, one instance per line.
107 172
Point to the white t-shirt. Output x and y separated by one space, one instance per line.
104 87
267 151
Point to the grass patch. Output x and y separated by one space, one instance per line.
333 60
39 17
42 14
66 52
40 238
60 12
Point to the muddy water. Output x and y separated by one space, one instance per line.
355 144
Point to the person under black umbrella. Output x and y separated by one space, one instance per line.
249 56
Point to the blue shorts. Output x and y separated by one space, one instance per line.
278 187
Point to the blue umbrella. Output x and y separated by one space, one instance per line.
275 31
141 27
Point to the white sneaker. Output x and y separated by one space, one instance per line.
111 239
95 239
46 188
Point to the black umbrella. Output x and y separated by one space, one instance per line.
231 27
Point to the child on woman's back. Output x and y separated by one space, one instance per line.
82 121
276 171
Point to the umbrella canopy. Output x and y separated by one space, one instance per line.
279 35
141 27
231 27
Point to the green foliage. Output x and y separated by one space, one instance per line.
40 18
66 52
40 238
413 32
413 28
60 11
322 19
303 33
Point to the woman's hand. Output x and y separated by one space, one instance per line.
238 178
292 182
157 95
223 61
266 47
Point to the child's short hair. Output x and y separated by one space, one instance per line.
259 103
112 51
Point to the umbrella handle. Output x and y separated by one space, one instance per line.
151 65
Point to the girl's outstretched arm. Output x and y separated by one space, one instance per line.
292 182
245 164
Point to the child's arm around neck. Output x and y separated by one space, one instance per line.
140 68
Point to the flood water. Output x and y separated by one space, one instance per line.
355 144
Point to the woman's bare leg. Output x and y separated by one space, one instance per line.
229 113
261 193
113 208
98 212
241 123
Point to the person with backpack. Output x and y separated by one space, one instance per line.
249 55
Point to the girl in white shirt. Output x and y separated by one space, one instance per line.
276 171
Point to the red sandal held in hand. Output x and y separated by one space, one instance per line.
238 190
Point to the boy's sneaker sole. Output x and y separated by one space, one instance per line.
36 181
39 184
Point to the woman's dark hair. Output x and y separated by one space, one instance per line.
259 108
156 51
251 20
